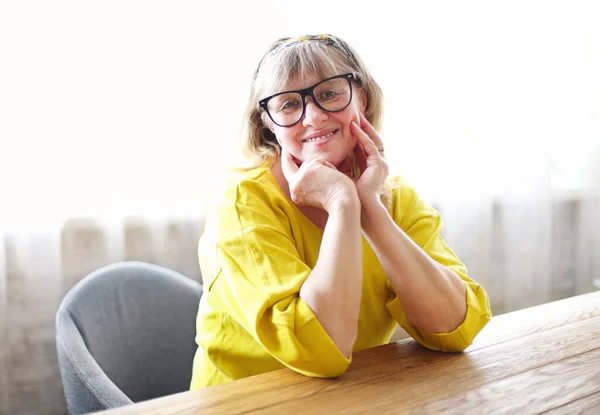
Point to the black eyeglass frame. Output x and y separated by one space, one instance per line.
308 92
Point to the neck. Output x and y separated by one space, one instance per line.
280 177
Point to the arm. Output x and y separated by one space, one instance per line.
422 225
436 303
306 319
258 279
333 289
432 295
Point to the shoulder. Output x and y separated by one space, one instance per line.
244 199
254 189
406 205
248 187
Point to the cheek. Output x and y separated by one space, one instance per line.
282 136
286 137
352 115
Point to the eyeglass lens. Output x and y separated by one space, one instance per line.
332 95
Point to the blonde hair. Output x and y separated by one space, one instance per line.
289 59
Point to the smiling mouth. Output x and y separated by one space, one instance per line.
320 138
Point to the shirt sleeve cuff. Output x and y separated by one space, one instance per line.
327 360
460 338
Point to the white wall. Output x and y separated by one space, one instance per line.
118 107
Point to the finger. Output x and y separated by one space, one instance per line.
326 163
366 143
366 126
288 166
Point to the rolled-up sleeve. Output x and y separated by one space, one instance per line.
423 225
258 285
459 339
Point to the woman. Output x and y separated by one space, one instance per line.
289 279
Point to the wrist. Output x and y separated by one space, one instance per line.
372 211
371 202
344 202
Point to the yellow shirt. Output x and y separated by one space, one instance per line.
255 254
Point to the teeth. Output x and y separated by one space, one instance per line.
323 137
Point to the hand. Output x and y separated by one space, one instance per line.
373 167
316 182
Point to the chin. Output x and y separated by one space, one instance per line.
334 159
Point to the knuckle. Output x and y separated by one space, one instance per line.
296 195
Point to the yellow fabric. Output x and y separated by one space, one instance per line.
255 253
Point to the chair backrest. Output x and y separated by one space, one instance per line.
124 334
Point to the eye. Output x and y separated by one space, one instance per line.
289 105
328 95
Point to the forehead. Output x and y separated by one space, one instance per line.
303 82
301 68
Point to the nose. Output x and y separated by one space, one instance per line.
313 115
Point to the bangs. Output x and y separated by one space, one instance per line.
300 61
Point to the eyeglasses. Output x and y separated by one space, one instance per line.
287 108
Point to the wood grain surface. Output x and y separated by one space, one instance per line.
545 358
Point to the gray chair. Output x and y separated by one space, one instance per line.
125 334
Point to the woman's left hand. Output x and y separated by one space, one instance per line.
369 155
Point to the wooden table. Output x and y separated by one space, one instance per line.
544 358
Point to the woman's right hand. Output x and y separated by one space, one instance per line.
317 183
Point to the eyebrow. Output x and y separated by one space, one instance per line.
303 89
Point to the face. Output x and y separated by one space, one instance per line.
321 133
